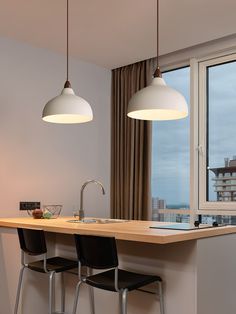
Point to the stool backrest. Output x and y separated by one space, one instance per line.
32 242
96 252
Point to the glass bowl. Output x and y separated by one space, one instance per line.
51 211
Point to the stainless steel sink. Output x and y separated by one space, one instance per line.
97 221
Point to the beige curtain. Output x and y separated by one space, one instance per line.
130 146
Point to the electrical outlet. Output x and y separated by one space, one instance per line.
29 205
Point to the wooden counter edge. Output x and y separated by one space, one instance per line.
131 235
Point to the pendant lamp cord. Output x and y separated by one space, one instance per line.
158 72
67 83
158 34
67 40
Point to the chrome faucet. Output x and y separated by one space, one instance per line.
81 210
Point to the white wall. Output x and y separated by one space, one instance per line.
48 162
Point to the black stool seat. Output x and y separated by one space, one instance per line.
57 264
126 280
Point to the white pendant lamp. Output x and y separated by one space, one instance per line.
157 101
67 107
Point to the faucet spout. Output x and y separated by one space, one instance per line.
81 209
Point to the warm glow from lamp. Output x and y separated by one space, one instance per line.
67 108
157 102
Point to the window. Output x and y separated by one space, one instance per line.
217 130
194 166
171 155
204 169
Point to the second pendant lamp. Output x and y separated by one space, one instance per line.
157 101
67 108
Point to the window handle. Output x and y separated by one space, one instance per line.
200 150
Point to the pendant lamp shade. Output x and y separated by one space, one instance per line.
157 102
67 108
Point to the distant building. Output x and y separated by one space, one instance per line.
225 181
225 188
157 204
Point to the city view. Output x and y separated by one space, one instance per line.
224 185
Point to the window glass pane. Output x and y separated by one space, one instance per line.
171 154
220 219
221 134
173 217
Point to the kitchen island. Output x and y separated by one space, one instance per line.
198 266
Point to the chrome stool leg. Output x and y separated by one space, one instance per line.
62 293
91 297
91 292
76 297
124 301
51 292
19 289
161 298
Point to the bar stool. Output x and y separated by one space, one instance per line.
101 253
32 242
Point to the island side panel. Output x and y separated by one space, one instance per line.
9 266
175 263
216 275
34 296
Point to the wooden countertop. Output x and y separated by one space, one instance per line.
132 230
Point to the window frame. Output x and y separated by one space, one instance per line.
216 52
204 206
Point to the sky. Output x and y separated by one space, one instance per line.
222 117
171 155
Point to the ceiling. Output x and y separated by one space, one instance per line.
113 33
